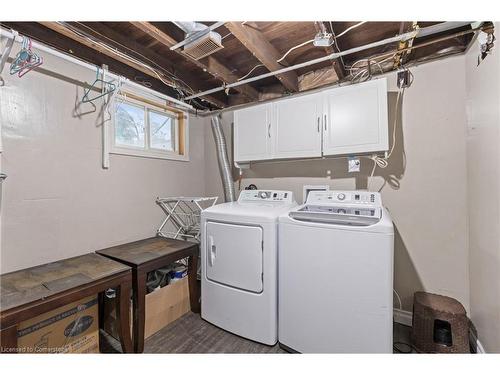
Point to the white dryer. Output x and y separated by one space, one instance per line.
239 290
336 274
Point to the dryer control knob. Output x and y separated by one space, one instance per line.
341 196
263 194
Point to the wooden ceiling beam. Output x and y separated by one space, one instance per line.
101 28
209 64
264 51
63 30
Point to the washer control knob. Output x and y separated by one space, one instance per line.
341 196
263 194
341 211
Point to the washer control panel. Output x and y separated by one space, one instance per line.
266 196
361 198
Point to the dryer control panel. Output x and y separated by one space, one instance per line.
266 196
357 198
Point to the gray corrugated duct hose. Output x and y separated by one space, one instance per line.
224 164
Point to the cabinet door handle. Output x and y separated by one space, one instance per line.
318 123
325 122
269 130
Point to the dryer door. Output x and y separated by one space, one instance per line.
234 255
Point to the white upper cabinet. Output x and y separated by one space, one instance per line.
252 133
339 121
356 119
298 127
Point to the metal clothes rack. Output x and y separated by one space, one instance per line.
183 213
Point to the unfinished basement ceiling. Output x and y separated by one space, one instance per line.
247 45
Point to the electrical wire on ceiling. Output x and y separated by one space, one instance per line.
349 29
364 72
163 75
250 72
336 44
171 74
293 49
312 40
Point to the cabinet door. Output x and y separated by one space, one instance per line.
298 127
356 119
252 133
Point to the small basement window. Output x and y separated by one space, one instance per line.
148 129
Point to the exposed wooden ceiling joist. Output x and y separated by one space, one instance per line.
209 64
151 56
61 29
264 51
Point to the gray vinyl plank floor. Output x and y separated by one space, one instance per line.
191 334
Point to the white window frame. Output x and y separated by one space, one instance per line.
147 151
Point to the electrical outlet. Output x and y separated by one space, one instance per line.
354 164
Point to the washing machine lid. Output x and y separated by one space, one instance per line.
341 215
354 208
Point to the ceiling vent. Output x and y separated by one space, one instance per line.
203 46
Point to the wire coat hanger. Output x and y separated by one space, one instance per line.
107 88
25 60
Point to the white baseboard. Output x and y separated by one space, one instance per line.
405 318
402 317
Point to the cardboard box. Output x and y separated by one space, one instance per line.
73 328
163 306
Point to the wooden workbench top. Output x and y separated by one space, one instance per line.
140 252
36 283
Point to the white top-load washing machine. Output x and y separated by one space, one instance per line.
336 274
239 291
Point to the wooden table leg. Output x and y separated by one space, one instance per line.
8 340
139 280
194 291
123 314
101 298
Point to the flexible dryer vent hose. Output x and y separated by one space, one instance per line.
223 159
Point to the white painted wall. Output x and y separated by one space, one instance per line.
483 179
57 201
429 207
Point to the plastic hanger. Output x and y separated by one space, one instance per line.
109 87
25 60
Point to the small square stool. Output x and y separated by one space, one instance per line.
440 324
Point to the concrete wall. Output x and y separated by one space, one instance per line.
483 179
57 201
424 186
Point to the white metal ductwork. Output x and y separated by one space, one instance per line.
223 159
200 40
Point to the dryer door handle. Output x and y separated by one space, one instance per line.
212 252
